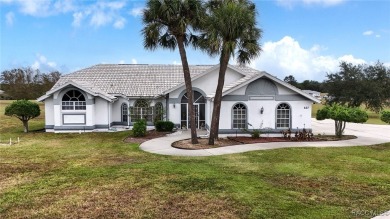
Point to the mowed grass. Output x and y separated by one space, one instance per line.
373 117
92 175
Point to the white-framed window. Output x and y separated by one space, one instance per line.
239 116
125 112
283 116
141 110
73 100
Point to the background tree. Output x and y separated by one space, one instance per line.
355 85
26 83
23 110
228 29
341 115
385 116
167 25
311 85
291 80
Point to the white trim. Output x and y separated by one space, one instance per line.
87 90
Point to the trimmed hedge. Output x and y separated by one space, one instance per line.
139 128
164 126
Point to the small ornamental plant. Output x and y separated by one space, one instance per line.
255 133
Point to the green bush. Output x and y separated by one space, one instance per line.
164 126
256 133
385 116
139 128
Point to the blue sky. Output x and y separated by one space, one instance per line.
305 38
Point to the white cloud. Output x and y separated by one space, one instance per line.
325 3
122 62
136 11
97 13
176 63
119 23
43 8
9 18
101 14
43 64
377 35
134 61
77 18
99 18
286 57
368 33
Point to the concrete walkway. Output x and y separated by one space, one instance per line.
367 135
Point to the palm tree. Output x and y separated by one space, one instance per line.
168 24
229 29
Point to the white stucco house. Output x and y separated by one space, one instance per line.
109 95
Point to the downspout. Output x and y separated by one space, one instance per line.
210 115
128 112
108 109
167 107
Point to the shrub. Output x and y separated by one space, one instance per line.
385 116
164 126
255 133
139 128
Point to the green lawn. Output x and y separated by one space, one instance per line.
373 118
93 175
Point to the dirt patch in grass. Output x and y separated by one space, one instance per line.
229 141
198 206
329 189
149 135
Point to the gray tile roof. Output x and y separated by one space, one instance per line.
131 79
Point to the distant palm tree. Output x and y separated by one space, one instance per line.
228 29
168 24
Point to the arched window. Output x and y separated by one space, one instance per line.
141 110
73 100
283 116
125 112
239 116
158 111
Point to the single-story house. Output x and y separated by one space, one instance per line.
110 95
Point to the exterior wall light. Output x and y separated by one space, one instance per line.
262 110
174 106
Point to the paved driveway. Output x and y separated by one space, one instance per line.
367 135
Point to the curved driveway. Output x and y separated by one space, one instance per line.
367 135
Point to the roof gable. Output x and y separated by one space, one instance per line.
266 75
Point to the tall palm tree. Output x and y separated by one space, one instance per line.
168 24
229 29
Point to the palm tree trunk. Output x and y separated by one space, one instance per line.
224 61
188 83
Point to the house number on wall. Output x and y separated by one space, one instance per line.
306 107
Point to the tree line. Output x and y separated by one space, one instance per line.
26 83
353 85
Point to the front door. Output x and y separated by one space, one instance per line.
199 109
